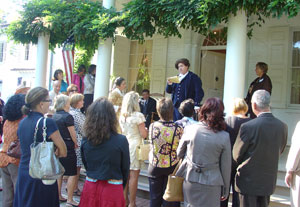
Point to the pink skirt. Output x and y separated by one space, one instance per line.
102 194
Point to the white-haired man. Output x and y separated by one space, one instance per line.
256 151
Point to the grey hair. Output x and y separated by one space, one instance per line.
262 99
61 101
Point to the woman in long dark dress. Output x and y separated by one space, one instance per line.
262 81
32 192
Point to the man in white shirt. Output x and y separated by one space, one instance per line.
53 94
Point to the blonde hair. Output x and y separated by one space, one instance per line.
70 87
239 106
61 101
130 104
75 98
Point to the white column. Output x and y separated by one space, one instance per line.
41 60
103 62
234 82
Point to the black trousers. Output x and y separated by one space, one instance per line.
88 100
157 189
235 195
254 201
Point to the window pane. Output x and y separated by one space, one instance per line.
133 47
140 61
27 52
296 49
1 52
295 87
295 76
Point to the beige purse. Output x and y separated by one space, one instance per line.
173 192
142 151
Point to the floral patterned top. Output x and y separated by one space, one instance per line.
164 138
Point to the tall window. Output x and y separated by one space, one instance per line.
295 76
2 51
140 63
27 52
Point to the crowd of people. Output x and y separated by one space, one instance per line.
214 154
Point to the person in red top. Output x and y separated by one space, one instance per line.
9 165
78 78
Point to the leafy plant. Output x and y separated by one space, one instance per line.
145 18
62 19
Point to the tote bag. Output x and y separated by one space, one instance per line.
173 192
43 163
142 151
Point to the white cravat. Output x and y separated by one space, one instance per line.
181 76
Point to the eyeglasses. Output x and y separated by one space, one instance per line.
74 90
47 100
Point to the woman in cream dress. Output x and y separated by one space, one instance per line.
292 177
132 123
116 95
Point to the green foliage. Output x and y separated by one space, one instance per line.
88 21
142 79
83 57
62 19
145 18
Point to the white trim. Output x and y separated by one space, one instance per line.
221 47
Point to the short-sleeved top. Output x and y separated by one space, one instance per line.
26 131
64 120
130 125
63 86
79 119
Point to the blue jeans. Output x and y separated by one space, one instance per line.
157 190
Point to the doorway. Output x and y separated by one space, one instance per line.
212 71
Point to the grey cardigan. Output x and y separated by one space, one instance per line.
208 156
89 84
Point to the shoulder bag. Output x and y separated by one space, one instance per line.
14 149
43 163
173 192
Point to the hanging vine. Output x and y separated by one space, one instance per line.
62 19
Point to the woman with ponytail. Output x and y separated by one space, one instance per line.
29 191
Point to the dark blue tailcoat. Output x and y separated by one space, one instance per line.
189 87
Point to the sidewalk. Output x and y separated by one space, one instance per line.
140 202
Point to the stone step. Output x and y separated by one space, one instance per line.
281 188
279 201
